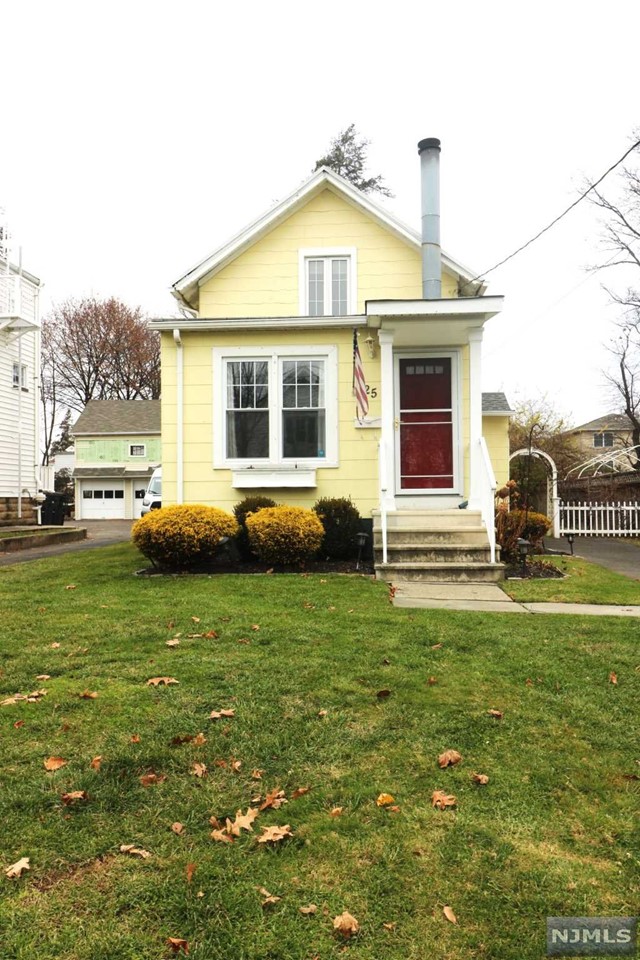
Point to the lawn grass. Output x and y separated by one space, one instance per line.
551 834
584 583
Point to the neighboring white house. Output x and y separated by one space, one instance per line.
20 472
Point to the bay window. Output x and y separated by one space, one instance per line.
279 407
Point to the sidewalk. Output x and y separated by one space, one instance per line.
489 598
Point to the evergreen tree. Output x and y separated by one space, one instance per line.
347 155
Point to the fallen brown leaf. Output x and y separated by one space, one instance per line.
18 724
150 779
69 798
219 714
441 800
436 646
431 681
346 925
270 898
221 835
235 765
255 774
309 910
135 738
191 869
274 834
43 676
383 694
172 643
255 626
54 763
613 678
449 758
196 619
384 800
134 851
497 714
177 827
55 646
274 799
390 926
394 809
95 763
480 778
18 868
70 586
177 944
449 914
336 812
243 821
156 681
300 792
199 769
322 713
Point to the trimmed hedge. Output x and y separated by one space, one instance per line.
341 521
284 535
182 536
241 511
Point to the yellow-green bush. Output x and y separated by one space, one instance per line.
284 535
182 536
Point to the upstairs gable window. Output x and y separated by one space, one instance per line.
327 282
604 439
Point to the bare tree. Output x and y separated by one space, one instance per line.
621 239
96 350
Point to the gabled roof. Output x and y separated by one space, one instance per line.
113 417
186 288
496 403
610 421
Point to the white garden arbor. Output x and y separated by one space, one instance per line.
553 501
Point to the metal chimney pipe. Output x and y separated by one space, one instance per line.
429 151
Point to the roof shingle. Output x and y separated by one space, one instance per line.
112 417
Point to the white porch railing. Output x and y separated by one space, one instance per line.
488 486
382 477
600 519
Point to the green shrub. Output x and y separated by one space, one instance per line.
513 524
241 512
341 522
182 536
284 535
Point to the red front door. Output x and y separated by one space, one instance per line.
425 424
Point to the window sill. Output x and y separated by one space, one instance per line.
263 478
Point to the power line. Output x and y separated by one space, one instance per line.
558 218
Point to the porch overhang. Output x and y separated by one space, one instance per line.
446 322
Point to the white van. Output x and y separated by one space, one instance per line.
153 494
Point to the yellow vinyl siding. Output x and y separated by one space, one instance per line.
263 281
496 434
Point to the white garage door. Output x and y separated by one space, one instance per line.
103 500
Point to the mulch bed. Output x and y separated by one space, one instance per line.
224 565
536 570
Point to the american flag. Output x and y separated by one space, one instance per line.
359 382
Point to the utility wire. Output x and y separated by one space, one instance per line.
558 218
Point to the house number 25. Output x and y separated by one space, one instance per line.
371 391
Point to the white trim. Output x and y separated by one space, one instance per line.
375 423
257 478
327 253
475 420
179 416
449 307
456 403
275 354
498 413
186 289
260 323
144 450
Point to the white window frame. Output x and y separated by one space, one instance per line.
142 445
15 375
274 356
602 435
350 254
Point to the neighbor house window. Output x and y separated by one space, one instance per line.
16 375
327 282
137 450
278 408
603 439
19 375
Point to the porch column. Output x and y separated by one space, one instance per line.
387 404
475 419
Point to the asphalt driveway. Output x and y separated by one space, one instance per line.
617 555
100 533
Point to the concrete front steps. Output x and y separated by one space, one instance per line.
435 546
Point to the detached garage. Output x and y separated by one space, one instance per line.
117 448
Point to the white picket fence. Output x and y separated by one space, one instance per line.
600 519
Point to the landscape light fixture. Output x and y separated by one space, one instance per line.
523 551
570 538
362 538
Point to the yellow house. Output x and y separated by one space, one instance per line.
261 392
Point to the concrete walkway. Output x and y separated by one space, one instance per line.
100 533
489 598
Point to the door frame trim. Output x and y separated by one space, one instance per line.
455 355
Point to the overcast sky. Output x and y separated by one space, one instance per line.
138 136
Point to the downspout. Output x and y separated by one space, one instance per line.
179 416
19 312
429 151
37 473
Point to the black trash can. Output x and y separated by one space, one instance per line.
53 510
